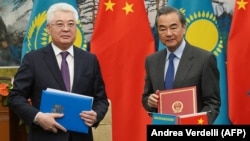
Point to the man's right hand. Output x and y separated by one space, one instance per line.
47 121
153 100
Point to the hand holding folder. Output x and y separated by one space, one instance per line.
70 104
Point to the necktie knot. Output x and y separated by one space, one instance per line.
171 56
64 54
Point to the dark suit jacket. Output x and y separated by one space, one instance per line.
38 71
197 67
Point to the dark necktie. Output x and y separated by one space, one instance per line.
65 70
169 78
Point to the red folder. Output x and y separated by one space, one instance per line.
180 101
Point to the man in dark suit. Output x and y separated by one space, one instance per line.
193 66
41 69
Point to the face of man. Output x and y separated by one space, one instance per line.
62 29
170 30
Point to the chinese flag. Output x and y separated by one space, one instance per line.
239 64
122 38
194 119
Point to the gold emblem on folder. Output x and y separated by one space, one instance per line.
177 106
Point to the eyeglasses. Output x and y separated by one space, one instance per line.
62 25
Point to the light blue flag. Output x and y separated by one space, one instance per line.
202 31
36 34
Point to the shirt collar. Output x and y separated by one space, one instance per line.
57 50
178 52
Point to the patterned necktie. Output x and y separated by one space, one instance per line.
65 70
169 78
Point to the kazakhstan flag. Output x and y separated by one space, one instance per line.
202 31
36 33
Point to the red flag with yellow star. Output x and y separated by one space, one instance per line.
239 65
193 119
122 38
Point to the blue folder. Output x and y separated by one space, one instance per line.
70 104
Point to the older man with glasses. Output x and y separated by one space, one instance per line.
41 69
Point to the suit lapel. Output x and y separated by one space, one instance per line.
77 66
161 62
50 59
184 66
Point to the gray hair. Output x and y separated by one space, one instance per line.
167 10
60 7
